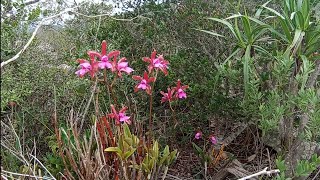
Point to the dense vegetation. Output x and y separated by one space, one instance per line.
252 100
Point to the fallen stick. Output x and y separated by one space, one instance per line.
264 171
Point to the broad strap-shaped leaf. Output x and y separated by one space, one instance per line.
262 50
298 17
210 32
286 28
259 11
238 33
246 69
305 9
113 149
270 28
229 25
247 28
298 37
128 153
235 52
127 130
273 11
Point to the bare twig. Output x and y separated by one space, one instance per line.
35 158
264 171
88 105
314 178
4 172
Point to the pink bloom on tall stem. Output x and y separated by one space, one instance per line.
181 94
198 135
103 56
120 66
120 116
213 140
144 82
157 63
168 96
85 66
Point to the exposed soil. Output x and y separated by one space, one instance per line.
243 152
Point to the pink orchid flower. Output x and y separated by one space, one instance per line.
104 57
168 96
213 140
144 82
91 67
198 135
120 116
120 66
181 94
157 63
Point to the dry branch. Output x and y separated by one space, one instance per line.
264 171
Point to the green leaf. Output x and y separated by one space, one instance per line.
239 36
281 165
305 10
129 141
292 5
306 22
298 37
258 31
129 153
155 150
126 129
232 54
198 149
270 28
163 158
145 167
286 29
247 27
225 23
246 69
234 16
258 13
314 38
113 149
299 20
273 11
262 50
173 156
121 143
210 32
166 150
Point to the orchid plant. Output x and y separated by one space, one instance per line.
102 63
208 154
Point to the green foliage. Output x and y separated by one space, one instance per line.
278 92
151 164
259 55
303 168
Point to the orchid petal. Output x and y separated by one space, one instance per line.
104 48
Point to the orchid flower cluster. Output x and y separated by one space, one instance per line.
109 61
212 139
104 62
209 155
